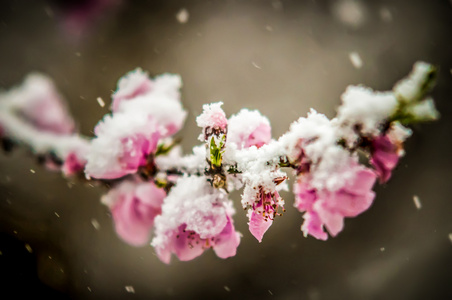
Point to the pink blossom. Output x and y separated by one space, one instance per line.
249 128
40 104
385 156
134 205
187 244
195 217
262 212
212 121
124 143
328 208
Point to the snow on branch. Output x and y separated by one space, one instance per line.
179 203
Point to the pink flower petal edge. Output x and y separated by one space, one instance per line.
327 209
187 244
385 156
134 207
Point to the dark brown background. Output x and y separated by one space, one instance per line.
301 48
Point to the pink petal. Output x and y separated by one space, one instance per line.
305 196
384 158
227 241
134 209
363 181
259 137
313 226
126 224
258 225
351 205
188 246
333 221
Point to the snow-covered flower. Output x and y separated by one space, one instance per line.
249 128
195 217
135 83
134 206
123 143
363 112
158 97
212 121
328 207
39 104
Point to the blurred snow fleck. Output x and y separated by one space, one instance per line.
270 292
450 237
385 14
95 224
28 247
255 65
89 289
130 289
227 288
349 12
417 202
78 54
355 59
100 101
32 171
182 16
382 249
269 28
56 214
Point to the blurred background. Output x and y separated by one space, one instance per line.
279 56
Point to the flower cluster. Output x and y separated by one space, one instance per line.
179 203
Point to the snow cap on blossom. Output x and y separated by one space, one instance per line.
195 216
38 102
159 98
327 208
263 179
386 150
134 83
134 206
311 142
212 121
122 144
249 128
363 111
